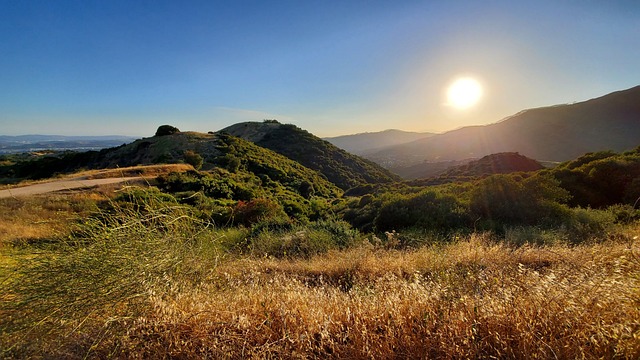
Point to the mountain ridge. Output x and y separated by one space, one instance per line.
368 142
552 133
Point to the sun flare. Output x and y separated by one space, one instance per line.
464 93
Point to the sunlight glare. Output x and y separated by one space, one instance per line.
464 93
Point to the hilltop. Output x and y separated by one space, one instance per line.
554 133
340 167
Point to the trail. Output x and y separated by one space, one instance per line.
58 185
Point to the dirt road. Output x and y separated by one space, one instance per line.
52 186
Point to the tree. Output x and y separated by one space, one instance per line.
166 130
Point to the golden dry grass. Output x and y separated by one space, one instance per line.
473 299
41 217
143 171
476 298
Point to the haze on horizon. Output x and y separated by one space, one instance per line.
330 67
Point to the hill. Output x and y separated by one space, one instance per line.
555 133
210 151
340 167
502 163
364 143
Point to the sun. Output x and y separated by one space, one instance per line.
464 93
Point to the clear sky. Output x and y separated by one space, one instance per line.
331 67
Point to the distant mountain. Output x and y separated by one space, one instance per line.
27 143
340 167
555 133
361 144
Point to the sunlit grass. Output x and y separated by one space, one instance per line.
142 171
161 282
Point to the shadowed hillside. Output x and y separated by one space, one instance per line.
364 143
555 133
502 163
341 168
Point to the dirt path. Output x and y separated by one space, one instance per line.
48 187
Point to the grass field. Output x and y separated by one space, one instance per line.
166 285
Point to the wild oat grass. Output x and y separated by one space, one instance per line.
163 285
37 218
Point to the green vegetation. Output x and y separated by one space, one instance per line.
338 166
247 253
601 179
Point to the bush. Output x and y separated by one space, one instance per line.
194 159
164 130
502 200
588 224
249 212
427 210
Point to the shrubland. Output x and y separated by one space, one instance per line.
264 259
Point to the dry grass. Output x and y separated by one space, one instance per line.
143 171
42 217
475 298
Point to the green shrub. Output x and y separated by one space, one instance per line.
427 210
624 214
501 200
588 224
194 159
341 233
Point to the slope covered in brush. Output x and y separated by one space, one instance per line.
340 167
208 151
502 163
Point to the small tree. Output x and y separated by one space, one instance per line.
166 130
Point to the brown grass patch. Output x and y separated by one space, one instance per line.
142 171
475 298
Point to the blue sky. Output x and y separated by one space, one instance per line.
331 67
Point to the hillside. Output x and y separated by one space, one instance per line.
502 163
465 170
214 151
554 133
364 143
340 167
